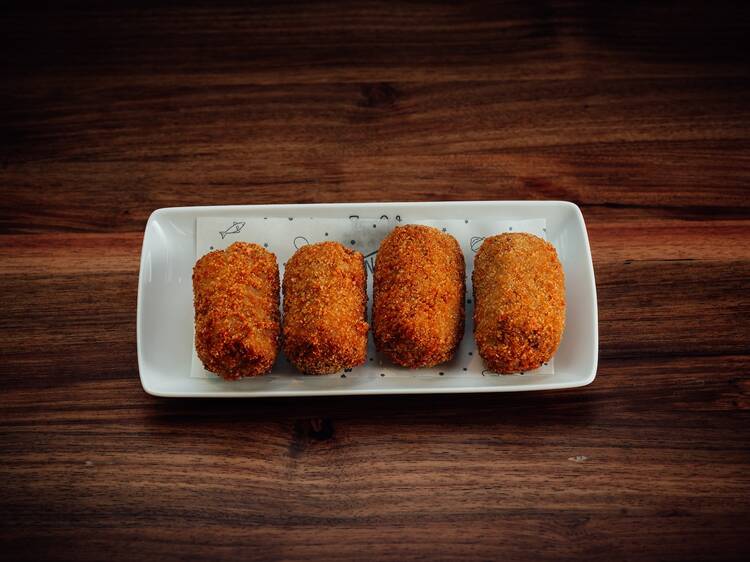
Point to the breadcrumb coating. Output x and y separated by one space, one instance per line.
325 309
519 302
418 296
236 297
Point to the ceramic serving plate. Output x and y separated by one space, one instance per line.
165 306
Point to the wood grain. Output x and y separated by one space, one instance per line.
638 112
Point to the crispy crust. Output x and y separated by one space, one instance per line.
236 297
418 296
325 308
519 302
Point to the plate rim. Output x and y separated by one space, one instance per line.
198 209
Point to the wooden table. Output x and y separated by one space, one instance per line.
639 114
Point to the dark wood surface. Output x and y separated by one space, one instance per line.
638 112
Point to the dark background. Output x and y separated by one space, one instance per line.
638 112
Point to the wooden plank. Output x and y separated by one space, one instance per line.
640 148
273 42
590 465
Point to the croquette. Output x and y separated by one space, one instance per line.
519 302
418 296
236 297
325 309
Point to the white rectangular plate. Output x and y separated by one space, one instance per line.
165 311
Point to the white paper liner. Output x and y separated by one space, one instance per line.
284 235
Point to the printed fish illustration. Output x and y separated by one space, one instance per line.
234 229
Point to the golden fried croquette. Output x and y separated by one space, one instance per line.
325 309
418 296
519 302
236 297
